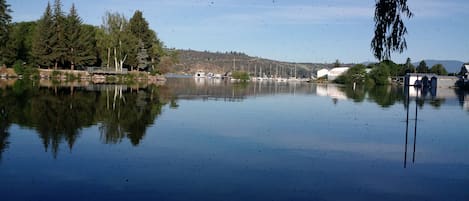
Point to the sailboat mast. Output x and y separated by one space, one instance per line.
234 64
295 71
255 70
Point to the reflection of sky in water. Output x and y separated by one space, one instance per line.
283 147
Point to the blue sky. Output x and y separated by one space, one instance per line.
288 30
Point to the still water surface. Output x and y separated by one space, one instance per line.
203 140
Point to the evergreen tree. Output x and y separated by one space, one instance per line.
422 67
90 52
5 20
59 48
410 68
42 44
19 43
140 29
79 41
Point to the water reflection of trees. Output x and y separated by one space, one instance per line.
386 96
59 114
126 114
4 125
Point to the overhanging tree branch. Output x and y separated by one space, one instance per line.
389 28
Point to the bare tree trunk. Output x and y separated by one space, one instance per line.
72 66
108 56
115 59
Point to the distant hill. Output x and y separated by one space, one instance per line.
191 61
452 66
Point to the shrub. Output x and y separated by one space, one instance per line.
356 74
380 74
18 67
241 75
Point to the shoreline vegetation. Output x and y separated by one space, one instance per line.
76 76
126 47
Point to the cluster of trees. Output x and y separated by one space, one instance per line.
380 72
62 40
438 69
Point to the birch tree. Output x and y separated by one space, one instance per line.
115 41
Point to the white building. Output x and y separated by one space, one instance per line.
333 73
321 73
336 72
418 79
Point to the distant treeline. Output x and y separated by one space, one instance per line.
62 41
379 73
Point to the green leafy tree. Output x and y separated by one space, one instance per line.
115 41
438 69
356 74
422 67
393 68
5 20
42 44
158 52
58 43
79 41
389 28
380 74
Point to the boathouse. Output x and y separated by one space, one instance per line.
430 80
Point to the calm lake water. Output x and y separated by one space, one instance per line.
207 140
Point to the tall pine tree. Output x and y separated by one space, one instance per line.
42 45
58 45
5 20
146 54
79 41
19 43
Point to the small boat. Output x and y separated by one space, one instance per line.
217 76
199 74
